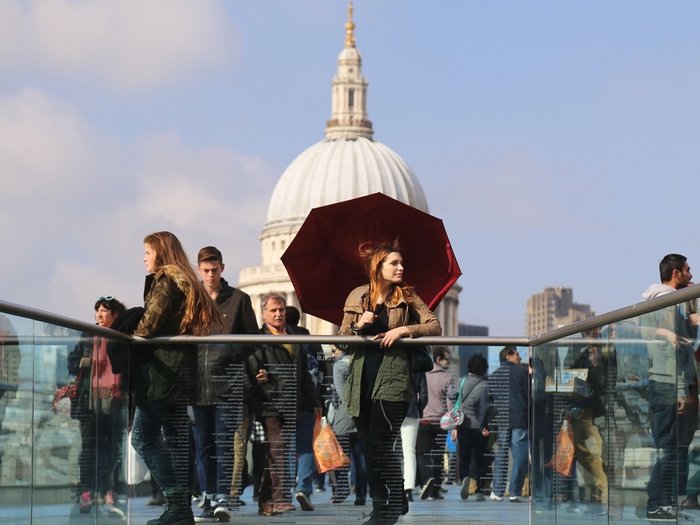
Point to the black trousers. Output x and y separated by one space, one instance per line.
379 428
430 452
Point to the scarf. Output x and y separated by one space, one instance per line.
105 384
274 331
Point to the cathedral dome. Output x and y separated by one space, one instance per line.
346 165
338 169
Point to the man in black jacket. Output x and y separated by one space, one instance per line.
285 401
509 390
219 409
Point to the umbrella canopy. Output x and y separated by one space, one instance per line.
323 261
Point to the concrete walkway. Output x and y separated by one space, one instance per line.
451 510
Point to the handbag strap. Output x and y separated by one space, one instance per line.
480 380
459 396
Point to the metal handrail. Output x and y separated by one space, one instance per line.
637 309
598 321
61 320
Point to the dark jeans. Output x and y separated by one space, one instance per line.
161 436
353 449
379 428
430 451
669 475
215 428
542 450
102 436
471 441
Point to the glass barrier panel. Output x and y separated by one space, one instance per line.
40 441
16 420
614 414
67 456
598 426
62 432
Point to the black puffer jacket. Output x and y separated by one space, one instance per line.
80 404
220 367
171 372
131 360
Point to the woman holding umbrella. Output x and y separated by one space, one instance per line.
378 388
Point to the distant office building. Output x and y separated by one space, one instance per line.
552 308
466 352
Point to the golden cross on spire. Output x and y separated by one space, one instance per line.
349 27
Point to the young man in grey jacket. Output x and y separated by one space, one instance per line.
672 389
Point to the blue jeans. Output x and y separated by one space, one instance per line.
306 464
669 475
515 439
215 427
542 450
353 449
161 436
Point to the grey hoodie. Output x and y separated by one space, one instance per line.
440 382
474 392
669 364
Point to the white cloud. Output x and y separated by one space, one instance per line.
129 44
44 144
77 204
208 189
74 286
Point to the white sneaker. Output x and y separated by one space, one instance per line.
222 512
518 499
495 498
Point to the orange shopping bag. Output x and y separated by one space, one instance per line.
563 459
327 451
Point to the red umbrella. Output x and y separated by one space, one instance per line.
324 266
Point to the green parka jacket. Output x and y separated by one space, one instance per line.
171 372
393 382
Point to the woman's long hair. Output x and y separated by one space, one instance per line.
373 256
200 315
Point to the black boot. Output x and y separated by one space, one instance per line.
374 515
382 514
178 511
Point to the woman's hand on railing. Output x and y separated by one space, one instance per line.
389 338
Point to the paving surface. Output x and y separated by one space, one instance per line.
451 510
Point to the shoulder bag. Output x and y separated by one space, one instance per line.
454 417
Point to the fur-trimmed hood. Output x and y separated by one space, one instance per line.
178 277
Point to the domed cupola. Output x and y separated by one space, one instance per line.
347 164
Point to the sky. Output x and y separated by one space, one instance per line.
558 141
